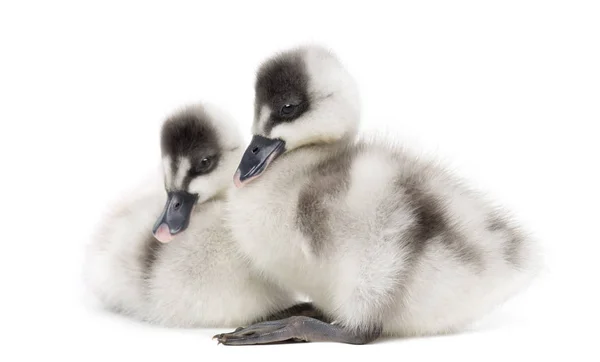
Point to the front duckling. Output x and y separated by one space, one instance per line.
199 279
384 243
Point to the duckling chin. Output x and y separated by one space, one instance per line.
191 274
383 242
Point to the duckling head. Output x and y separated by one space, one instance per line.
303 96
200 148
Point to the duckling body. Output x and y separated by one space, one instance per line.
383 242
380 240
199 279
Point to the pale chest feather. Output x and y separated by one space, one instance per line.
264 223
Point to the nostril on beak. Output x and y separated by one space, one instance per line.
176 205
255 150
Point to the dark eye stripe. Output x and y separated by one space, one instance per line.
276 117
282 80
193 173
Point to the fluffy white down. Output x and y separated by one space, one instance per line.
377 236
361 274
197 280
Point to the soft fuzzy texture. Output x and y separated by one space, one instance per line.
199 279
380 239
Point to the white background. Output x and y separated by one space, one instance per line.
506 91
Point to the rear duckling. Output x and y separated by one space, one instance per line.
383 242
199 279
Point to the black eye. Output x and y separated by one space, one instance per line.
205 162
287 109
203 165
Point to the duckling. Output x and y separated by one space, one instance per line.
385 243
199 279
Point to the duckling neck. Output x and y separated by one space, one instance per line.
219 197
330 146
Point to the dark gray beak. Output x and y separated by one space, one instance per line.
259 154
175 217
